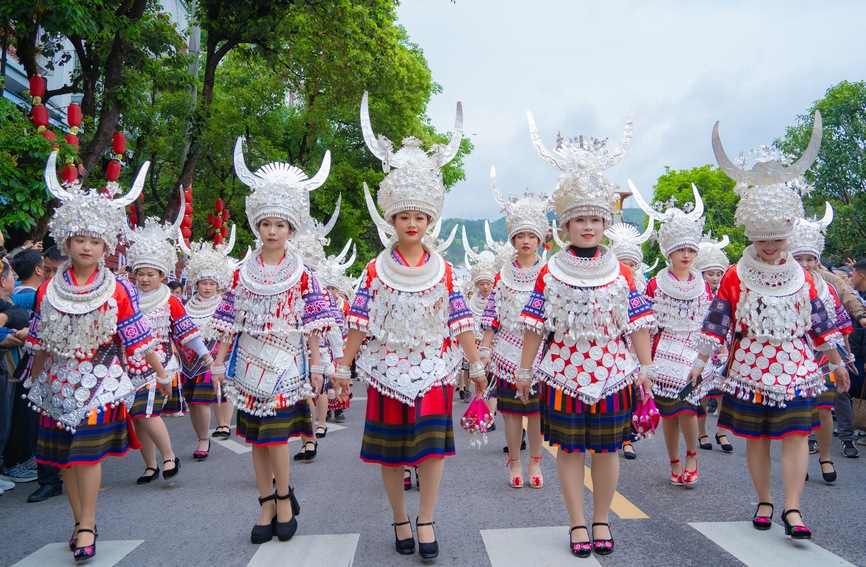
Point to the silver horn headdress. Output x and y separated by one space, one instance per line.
88 213
279 190
210 262
711 254
312 238
582 189
679 229
413 181
808 236
770 194
482 265
626 241
154 244
528 214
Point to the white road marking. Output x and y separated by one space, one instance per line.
766 548
531 546
108 553
242 448
334 550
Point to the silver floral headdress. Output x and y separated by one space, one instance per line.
388 237
582 188
711 254
332 271
154 244
413 181
679 229
279 190
312 237
770 194
89 213
808 236
482 265
626 241
527 214
210 262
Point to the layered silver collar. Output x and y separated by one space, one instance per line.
585 272
410 279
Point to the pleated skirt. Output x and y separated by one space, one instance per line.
98 436
574 426
262 431
745 418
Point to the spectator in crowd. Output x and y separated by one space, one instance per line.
52 259
844 272
28 245
176 289
858 337
14 321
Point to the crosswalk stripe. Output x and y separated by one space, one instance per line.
530 546
766 548
110 553
621 506
334 550
242 448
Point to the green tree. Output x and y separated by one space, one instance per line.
839 174
720 203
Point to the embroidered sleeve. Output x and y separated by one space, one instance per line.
317 308
532 315
183 329
823 329
335 334
640 310
460 318
131 327
223 321
31 343
489 320
719 319
359 313
843 320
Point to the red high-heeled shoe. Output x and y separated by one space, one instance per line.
514 481
676 479
691 477
536 481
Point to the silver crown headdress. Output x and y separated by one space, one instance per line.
482 265
582 188
678 229
210 262
625 240
332 271
711 255
154 244
312 237
88 213
527 214
770 200
415 184
808 236
386 231
279 190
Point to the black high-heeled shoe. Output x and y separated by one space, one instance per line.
796 532
404 546
427 550
146 478
602 546
296 506
85 552
829 477
264 533
763 523
726 447
285 530
310 455
167 474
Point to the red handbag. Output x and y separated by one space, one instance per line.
646 417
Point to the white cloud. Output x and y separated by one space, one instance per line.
581 67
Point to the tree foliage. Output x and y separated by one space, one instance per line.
839 174
720 203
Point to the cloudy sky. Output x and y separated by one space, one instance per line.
583 66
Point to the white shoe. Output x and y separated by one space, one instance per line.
6 485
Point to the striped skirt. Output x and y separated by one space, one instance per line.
200 391
827 400
669 408
396 434
148 394
261 431
507 403
98 436
573 426
745 418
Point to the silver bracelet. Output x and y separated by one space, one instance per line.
484 352
831 367
700 363
476 370
221 369
343 372
168 380
317 369
523 375
649 370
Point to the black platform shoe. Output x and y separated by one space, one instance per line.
264 534
427 550
404 546
285 530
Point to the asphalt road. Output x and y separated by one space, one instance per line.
204 515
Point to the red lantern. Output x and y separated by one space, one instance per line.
186 232
49 135
226 215
73 115
40 117
70 173
210 218
37 86
133 219
217 222
72 140
187 195
219 205
118 143
218 238
187 221
187 209
225 231
112 173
